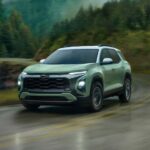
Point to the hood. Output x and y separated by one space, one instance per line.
46 68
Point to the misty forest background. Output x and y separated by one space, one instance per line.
34 29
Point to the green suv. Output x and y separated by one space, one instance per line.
76 75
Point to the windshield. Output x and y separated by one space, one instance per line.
73 56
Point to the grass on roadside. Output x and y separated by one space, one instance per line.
8 97
14 61
8 68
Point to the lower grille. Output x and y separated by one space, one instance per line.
46 83
46 98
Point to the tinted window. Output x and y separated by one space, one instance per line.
105 54
73 56
114 55
110 53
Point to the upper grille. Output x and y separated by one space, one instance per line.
41 83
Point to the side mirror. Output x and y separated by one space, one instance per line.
42 61
107 61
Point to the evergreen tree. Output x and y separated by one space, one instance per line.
8 38
23 41
16 38
1 11
2 49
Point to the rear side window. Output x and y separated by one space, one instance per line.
114 55
110 53
105 54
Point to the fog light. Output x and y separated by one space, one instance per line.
19 83
81 84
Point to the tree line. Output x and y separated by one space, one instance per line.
114 16
42 15
96 25
16 39
89 27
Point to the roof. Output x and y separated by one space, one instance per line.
80 47
87 47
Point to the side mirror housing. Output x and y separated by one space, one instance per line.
107 61
42 61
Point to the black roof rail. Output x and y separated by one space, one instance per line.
100 45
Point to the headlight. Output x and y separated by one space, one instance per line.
23 74
20 78
78 73
19 83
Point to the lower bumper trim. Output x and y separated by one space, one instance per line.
47 97
39 102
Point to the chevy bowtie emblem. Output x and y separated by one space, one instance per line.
44 76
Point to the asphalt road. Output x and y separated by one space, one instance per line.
116 127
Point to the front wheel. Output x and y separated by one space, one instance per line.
126 93
96 97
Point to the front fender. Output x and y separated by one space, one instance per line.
90 78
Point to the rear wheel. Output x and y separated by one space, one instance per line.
126 93
96 97
31 107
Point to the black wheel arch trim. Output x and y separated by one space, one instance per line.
97 78
128 75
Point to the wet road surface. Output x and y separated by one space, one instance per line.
117 126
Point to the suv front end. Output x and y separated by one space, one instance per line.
52 88
60 79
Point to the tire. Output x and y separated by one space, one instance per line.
96 97
31 107
125 97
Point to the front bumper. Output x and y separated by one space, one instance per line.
52 99
68 96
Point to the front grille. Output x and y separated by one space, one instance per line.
46 83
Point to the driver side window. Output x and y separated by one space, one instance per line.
104 54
